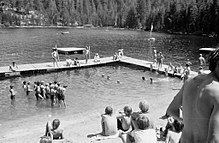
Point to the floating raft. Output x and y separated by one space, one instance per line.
28 69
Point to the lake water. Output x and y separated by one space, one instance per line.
87 89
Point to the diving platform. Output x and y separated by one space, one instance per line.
38 68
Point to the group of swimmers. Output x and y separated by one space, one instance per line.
53 91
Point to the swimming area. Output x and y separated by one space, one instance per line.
87 89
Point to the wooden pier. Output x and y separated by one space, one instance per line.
37 68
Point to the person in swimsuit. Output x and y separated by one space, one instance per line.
124 119
12 92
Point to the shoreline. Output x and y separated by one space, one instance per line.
197 33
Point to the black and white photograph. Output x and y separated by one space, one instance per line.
109 71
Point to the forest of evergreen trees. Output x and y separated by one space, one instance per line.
186 16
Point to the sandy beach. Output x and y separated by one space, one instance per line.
76 127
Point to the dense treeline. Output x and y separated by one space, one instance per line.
200 16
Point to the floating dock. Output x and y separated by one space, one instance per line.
37 68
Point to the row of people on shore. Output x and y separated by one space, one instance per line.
130 126
136 127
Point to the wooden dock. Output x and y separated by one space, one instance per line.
37 68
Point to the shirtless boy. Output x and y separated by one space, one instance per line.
124 119
199 99
109 122
55 56
52 130
144 107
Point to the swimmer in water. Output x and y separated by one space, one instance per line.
151 79
143 78
118 81
108 77
12 92
102 75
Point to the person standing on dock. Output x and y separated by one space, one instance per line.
160 59
199 99
55 56
87 51
154 55
201 60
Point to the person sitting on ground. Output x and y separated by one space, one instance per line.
68 62
169 126
174 134
96 58
143 134
13 67
53 130
109 126
124 119
144 107
109 122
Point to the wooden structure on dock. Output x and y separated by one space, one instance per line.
30 69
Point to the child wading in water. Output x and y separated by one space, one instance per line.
12 92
